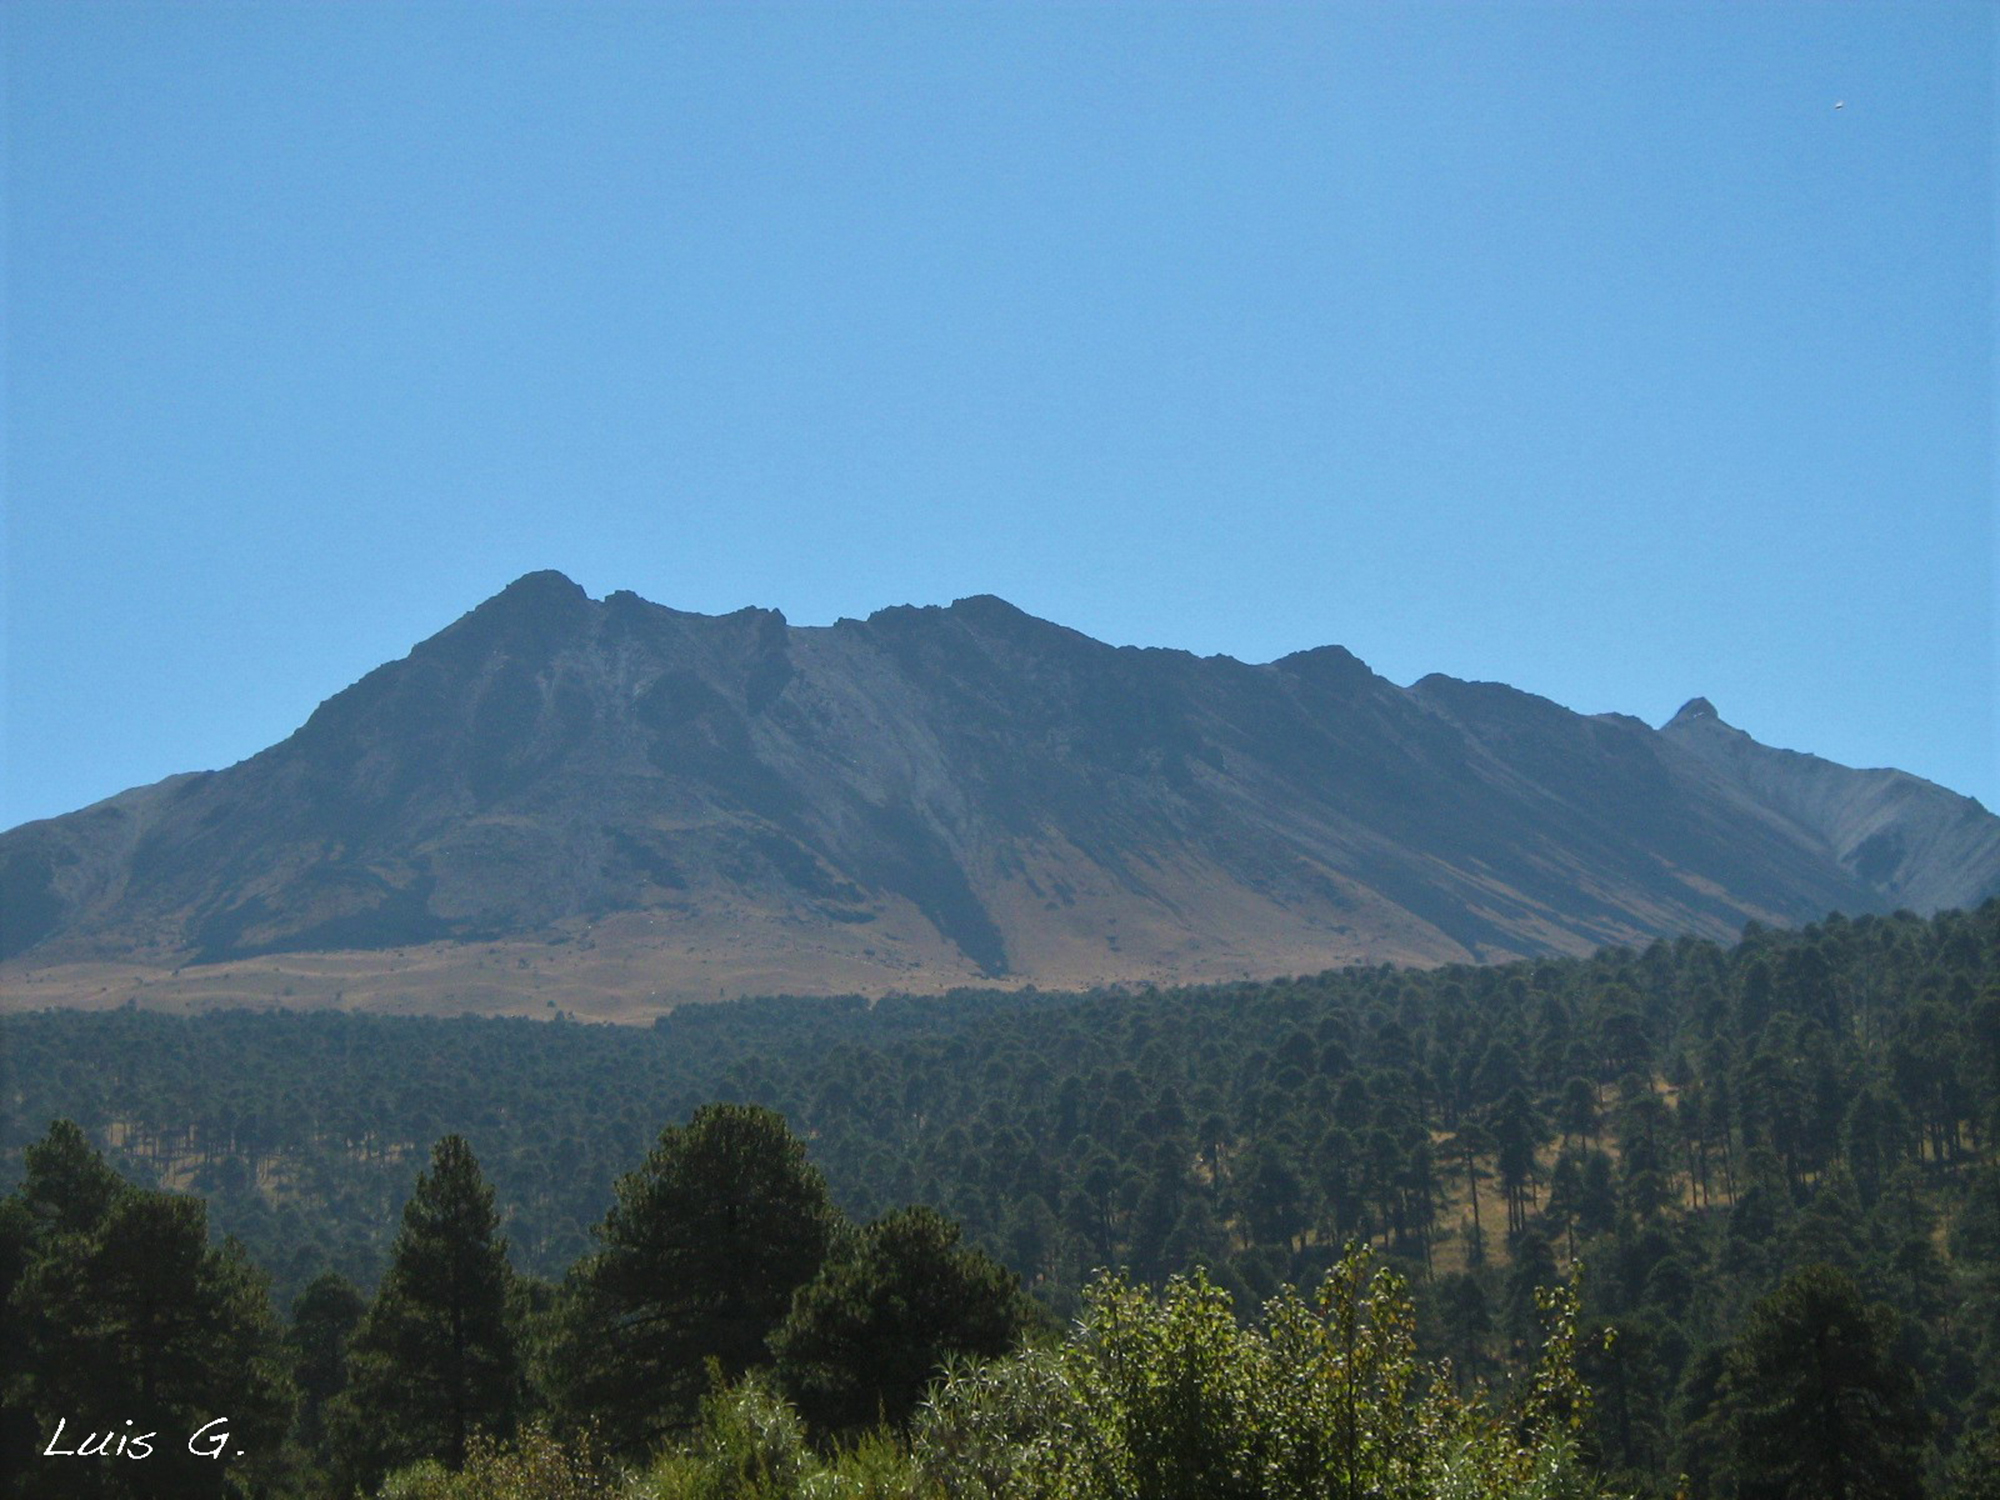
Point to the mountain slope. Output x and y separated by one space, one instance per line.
557 795
1915 843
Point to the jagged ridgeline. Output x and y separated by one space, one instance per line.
612 807
1693 1123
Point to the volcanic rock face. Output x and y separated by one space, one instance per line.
1912 842
936 796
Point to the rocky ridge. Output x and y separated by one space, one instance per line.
930 797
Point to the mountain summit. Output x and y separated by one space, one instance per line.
1693 711
585 798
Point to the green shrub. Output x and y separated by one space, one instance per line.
1166 1398
750 1445
533 1466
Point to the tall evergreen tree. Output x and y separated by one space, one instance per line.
1465 1324
323 1321
17 1419
434 1359
126 1321
1818 1406
870 1331
67 1188
701 1253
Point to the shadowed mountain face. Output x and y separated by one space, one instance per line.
935 796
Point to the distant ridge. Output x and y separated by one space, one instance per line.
632 806
1913 842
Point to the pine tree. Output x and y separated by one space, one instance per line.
67 1188
1465 1325
324 1319
1517 1132
17 1420
1818 1406
434 1360
702 1251
120 1308
871 1330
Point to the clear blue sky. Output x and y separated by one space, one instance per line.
1587 348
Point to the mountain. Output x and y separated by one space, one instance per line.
1908 839
613 806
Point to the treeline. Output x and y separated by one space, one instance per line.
303 1130
732 1338
1689 1123
145 1361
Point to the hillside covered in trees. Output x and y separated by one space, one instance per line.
732 1336
1732 1154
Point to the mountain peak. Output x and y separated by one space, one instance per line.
1332 665
1694 710
534 611
544 586
995 613
988 604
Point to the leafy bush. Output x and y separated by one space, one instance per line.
751 1445
533 1466
1153 1397
1166 1397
